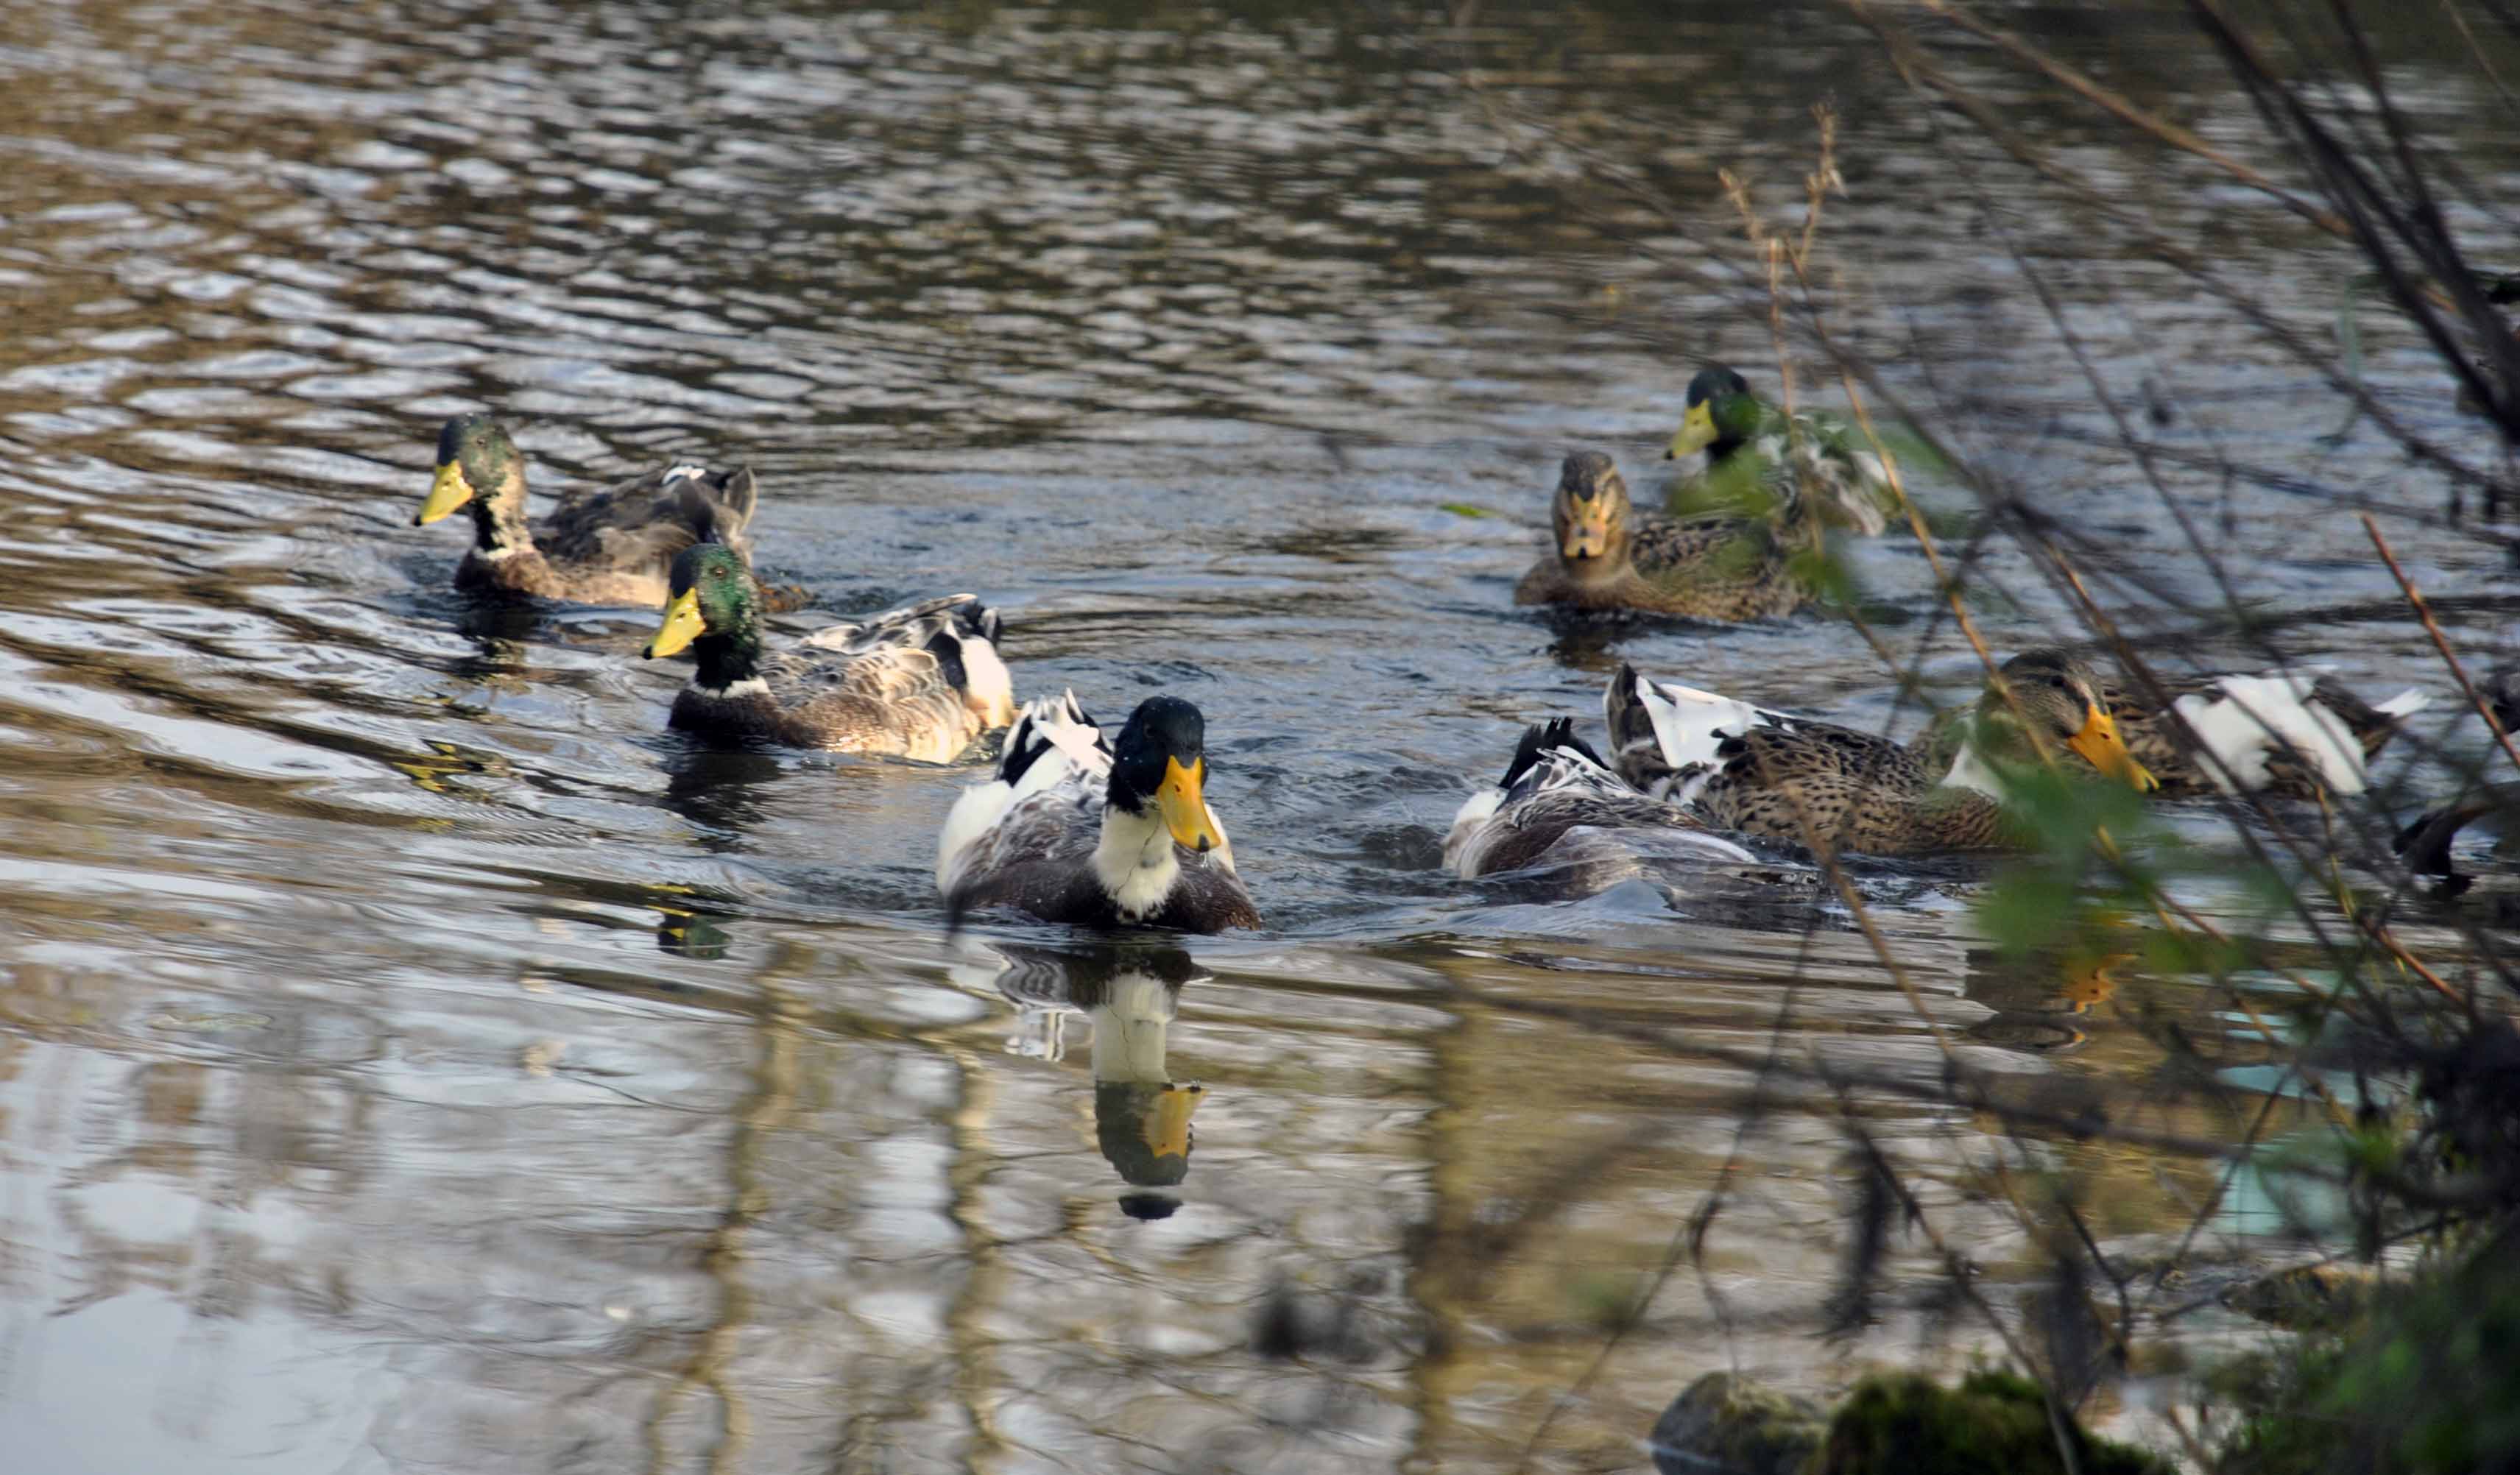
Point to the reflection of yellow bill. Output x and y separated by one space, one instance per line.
1696 431
447 493
682 625
1179 796
2099 744
1168 1125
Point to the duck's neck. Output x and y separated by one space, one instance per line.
728 665
499 530
1133 861
1972 771
1129 1031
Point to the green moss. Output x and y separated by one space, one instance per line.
1729 1423
1995 1423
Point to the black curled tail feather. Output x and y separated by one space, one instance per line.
978 620
947 646
1542 737
1633 739
1026 743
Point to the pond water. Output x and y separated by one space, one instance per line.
413 1057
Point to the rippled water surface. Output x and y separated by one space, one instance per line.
413 1058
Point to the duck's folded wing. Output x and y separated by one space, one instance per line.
648 519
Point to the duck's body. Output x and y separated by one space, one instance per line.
2287 735
1606 555
1557 804
614 545
921 682
1079 830
1739 456
2290 734
1835 788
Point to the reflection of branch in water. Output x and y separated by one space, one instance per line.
977 1382
772 1102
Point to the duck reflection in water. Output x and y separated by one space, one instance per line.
1129 992
719 790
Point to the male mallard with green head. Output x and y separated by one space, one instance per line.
1766 774
614 545
1093 833
1606 555
922 681
1741 456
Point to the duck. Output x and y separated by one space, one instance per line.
2288 734
1741 453
614 545
1773 775
1097 833
920 682
1606 555
1554 807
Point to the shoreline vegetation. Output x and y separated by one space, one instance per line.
2395 1100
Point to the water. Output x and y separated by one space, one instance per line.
412 1056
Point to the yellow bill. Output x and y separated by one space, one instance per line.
1696 431
1168 1125
1587 534
2100 745
447 493
682 626
1184 805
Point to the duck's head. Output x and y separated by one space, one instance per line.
1159 766
1591 511
1721 409
476 464
711 595
2058 696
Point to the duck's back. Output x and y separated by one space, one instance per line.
629 534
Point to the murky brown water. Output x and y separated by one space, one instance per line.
411 1057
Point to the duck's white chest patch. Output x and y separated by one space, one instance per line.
1133 862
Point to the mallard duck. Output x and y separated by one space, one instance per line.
1741 454
1607 556
1766 774
1074 829
922 681
1556 800
2290 735
610 546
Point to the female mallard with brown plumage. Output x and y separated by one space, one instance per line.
1093 833
612 545
922 681
1744 767
2290 735
1606 555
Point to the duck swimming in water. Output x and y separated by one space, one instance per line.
1093 833
923 681
1606 555
614 545
1766 774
